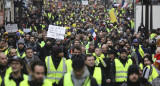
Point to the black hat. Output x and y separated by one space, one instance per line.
133 69
16 58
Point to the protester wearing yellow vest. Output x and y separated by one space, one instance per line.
80 75
96 72
37 77
5 70
119 68
99 58
149 71
4 47
16 76
21 49
56 65
138 49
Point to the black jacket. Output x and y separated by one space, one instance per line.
91 70
45 51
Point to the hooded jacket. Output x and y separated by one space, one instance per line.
79 82
21 51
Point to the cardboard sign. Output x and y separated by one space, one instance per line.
11 28
56 32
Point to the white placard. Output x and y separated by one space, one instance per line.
56 32
11 28
84 2
26 30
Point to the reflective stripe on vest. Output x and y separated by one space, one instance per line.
34 28
154 73
23 55
11 82
98 75
140 50
54 74
42 44
121 71
69 82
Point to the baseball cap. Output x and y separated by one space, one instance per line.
16 58
135 40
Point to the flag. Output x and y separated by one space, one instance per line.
94 5
112 16
59 5
93 33
123 1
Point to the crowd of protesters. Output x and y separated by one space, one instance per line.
116 55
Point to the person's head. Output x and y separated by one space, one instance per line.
123 54
37 71
77 50
147 60
128 46
12 52
109 43
57 52
103 40
16 64
48 42
3 59
104 48
27 36
136 42
111 54
76 42
91 46
83 49
133 74
98 51
2 43
32 39
29 52
89 60
78 67
158 50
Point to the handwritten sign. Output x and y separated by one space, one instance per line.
56 32
84 2
26 30
11 28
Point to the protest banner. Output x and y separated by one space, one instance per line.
11 28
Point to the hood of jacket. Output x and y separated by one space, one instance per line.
80 81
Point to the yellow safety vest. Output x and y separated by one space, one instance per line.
0 80
121 71
24 55
68 81
11 82
141 66
6 52
99 60
98 75
45 83
43 26
154 74
8 71
140 51
152 35
34 28
49 15
42 44
69 65
53 74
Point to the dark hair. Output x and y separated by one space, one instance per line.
35 63
88 55
32 36
28 48
78 63
78 47
149 58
